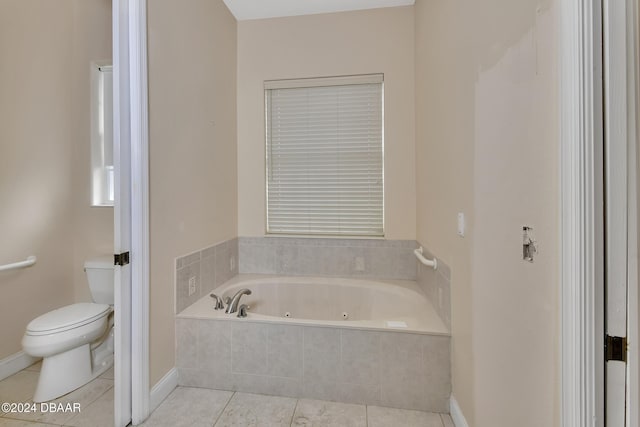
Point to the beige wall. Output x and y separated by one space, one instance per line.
193 184
487 145
445 72
44 156
92 226
363 42
35 161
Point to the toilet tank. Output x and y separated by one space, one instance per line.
100 277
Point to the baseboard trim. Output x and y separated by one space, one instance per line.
15 363
456 413
162 389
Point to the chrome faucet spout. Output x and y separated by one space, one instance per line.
232 307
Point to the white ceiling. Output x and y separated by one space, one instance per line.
259 9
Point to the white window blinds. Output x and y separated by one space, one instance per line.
325 156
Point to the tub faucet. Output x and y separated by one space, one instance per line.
232 307
219 305
242 310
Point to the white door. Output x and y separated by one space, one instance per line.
619 159
122 214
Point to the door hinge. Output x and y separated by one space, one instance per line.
121 259
615 348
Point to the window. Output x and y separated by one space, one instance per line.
325 156
102 173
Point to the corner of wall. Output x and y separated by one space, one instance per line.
456 413
193 150
207 268
162 389
436 284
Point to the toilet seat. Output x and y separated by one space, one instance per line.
66 318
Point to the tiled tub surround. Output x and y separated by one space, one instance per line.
367 258
436 285
210 267
348 361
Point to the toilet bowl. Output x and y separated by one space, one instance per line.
75 341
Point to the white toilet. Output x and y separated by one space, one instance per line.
75 341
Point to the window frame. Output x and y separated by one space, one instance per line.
377 78
102 173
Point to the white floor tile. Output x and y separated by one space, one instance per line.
85 395
108 374
255 410
189 407
319 413
389 417
204 407
97 414
19 387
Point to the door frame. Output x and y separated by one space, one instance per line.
620 141
581 220
130 62
139 209
582 272
633 302
582 275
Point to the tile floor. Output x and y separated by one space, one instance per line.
95 399
195 407
198 407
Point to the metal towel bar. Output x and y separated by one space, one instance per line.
21 264
429 263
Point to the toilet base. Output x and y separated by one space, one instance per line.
62 373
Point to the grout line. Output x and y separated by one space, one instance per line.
293 415
443 417
222 412
366 415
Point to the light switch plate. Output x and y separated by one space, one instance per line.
461 224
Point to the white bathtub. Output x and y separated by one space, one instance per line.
350 303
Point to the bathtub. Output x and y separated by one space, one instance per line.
349 303
372 342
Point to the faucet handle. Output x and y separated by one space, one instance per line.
219 305
242 311
227 300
